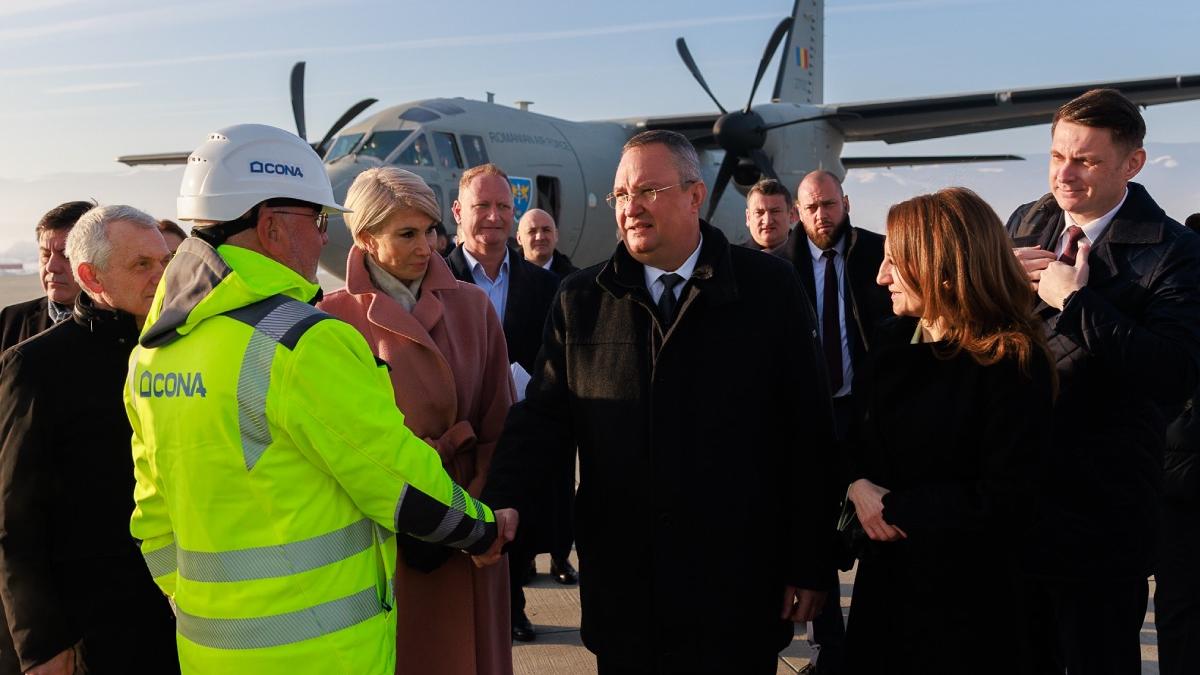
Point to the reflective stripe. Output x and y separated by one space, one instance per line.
452 517
268 562
254 379
161 561
281 629
277 319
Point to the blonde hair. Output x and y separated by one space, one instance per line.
378 193
470 174
951 248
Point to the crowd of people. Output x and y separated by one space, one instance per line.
209 466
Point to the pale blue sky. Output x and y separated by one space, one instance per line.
84 81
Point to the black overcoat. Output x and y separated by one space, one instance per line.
699 469
1127 350
962 448
69 569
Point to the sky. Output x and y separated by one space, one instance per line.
83 81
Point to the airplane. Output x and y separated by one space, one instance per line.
567 167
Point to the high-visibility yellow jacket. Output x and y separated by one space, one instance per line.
272 467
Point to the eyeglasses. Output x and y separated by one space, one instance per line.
320 219
620 200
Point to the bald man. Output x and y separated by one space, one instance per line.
538 236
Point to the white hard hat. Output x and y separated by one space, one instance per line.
242 165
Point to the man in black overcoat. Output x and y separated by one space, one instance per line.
23 320
521 293
75 586
700 526
1119 288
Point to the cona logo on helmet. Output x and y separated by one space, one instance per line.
170 385
275 168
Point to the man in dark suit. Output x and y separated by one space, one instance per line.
701 528
1119 288
521 293
537 235
770 215
25 319
837 264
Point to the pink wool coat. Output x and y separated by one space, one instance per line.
449 369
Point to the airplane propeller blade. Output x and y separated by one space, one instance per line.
772 45
763 163
342 121
298 98
682 48
723 175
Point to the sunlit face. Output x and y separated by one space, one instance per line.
54 269
905 301
823 210
537 236
300 239
484 212
401 246
660 233
130 277
1088 171
769 219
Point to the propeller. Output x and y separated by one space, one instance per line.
742 133
297 87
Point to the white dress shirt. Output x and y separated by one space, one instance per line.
1092 230
839 266
654 282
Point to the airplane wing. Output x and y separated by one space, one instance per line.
916 119
903 160
156 158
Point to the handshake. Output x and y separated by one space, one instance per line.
506 531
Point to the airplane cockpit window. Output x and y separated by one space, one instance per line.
342 146
447 150
416 154
444 107
474 149
419 115
382 143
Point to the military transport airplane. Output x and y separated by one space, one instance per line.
567 167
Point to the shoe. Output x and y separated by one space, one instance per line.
522 630
563 572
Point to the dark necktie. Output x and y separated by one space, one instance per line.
831 332
667 301
1074 234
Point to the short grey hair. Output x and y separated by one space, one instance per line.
379 192
687 162
89 242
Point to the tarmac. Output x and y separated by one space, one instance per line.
554 609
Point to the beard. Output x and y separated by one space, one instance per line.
827 241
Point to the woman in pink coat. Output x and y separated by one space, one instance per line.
449 367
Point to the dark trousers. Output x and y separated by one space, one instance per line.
1085 626
764 666
1177 592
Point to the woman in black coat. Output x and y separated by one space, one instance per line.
957 400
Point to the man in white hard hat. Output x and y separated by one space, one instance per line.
271 462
